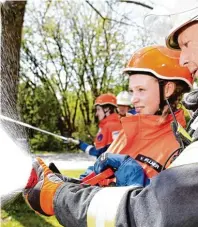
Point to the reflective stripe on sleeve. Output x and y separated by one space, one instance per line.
88 149
189 155
104 205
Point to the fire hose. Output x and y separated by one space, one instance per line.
91 179
69 140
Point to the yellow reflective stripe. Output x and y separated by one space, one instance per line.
183 132
104 205
91 222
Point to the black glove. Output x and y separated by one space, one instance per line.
55 170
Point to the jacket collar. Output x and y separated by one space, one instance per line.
148 126
111 117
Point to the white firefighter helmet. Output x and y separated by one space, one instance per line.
166 21
124 98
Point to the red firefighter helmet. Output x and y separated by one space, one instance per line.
105 99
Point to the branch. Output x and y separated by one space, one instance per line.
137 3
95 9
105 18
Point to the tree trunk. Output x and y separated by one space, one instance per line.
12 14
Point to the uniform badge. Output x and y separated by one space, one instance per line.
99 137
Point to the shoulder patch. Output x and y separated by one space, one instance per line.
99 137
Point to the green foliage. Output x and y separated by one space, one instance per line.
70 55
43 142
17 214
40 109
72 173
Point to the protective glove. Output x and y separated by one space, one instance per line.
106 160
127 170
41 188
74 141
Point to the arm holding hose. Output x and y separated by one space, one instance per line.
159 204
92 150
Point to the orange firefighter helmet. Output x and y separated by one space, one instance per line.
161 62
105 99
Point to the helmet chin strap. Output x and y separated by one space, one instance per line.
171 110
162 100
105 112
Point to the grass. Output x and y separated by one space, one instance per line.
16 213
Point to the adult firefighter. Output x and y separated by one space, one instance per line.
180 27
109 125
124 103
184 36
179 24
170 199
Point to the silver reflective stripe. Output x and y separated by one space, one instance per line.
188 155
104 205
115 134
88 149
194 125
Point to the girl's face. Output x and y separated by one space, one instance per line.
100 112
122 109
145 93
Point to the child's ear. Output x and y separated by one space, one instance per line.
169 89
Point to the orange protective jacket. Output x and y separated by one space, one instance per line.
147 141
109 129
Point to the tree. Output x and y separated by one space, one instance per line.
12 13
74 51
39 108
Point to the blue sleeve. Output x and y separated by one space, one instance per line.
97 152
91 150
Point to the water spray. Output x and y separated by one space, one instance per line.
68 140
16 175
15 168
